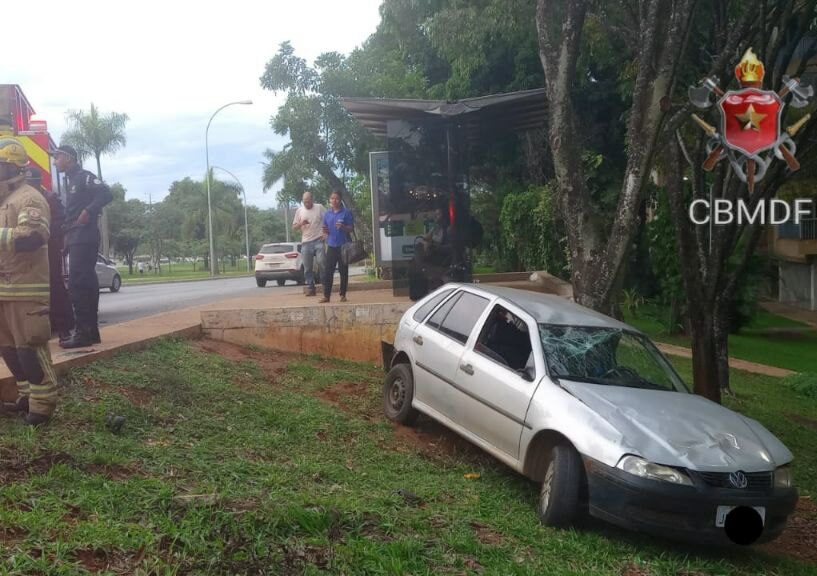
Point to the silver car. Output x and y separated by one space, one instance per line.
590 408
106 273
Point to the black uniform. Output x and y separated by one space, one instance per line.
85 192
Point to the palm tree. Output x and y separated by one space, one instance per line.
95 134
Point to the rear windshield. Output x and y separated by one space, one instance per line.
277 248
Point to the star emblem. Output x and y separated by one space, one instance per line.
750 118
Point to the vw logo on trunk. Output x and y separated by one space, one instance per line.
738 479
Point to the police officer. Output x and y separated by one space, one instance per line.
87 195
24 287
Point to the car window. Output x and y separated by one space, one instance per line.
505 339
459 322
437 318
277 248
426 308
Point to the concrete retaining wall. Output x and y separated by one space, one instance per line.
350 331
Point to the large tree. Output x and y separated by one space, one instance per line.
128 221
713 270
95 134
598 243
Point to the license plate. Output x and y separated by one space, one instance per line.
723 511
273 265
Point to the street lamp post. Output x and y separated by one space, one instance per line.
244 194
209 204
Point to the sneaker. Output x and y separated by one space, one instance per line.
33 419
343 298
323 300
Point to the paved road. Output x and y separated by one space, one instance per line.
135 301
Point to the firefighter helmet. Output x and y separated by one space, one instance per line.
12 152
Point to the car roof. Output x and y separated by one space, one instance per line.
549 308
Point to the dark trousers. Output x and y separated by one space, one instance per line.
333 260
61 311
83 286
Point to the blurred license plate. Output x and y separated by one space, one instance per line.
723 511
273 264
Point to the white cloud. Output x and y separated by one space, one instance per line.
169 65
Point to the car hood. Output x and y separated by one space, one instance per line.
680 429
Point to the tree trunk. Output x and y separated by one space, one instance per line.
106 241
705 365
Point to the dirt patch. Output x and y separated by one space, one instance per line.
136 396
634 570
274 364
808 422
15 467
11 535
96 560
799 539
297 557
352 397
487 535
435 441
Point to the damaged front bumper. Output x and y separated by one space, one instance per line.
678 512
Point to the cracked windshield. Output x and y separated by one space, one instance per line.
606 356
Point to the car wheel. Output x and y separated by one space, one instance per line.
116 283
559 496
280 282
398 392
260 283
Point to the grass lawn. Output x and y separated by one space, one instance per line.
769 339
182 271
264 463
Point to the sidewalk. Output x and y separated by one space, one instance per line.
791 312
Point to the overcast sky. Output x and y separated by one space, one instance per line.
169 65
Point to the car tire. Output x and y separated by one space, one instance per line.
558 503
260 283
280 282
398 392
116 283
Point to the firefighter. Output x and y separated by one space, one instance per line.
87 195
24 287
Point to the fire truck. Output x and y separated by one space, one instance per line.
16 118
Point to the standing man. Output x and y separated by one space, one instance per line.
338 223
309 220
62 313
24 288
87 195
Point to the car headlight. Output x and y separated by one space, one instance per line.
643 469
783 477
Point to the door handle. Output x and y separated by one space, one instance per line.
467 368
418 340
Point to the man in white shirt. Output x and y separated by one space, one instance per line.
308 219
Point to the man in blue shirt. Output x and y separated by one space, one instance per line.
338 223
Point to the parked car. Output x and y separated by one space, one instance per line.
281 262
589 407
106 273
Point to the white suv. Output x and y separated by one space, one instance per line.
282 261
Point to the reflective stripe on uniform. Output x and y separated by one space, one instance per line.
7 239
44 356
23 388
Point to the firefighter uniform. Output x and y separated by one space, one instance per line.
85 193
24 288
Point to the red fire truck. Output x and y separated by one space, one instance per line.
16 115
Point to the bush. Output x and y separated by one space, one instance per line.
803 383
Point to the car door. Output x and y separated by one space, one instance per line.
497 376
438 344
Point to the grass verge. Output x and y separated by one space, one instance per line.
255 462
